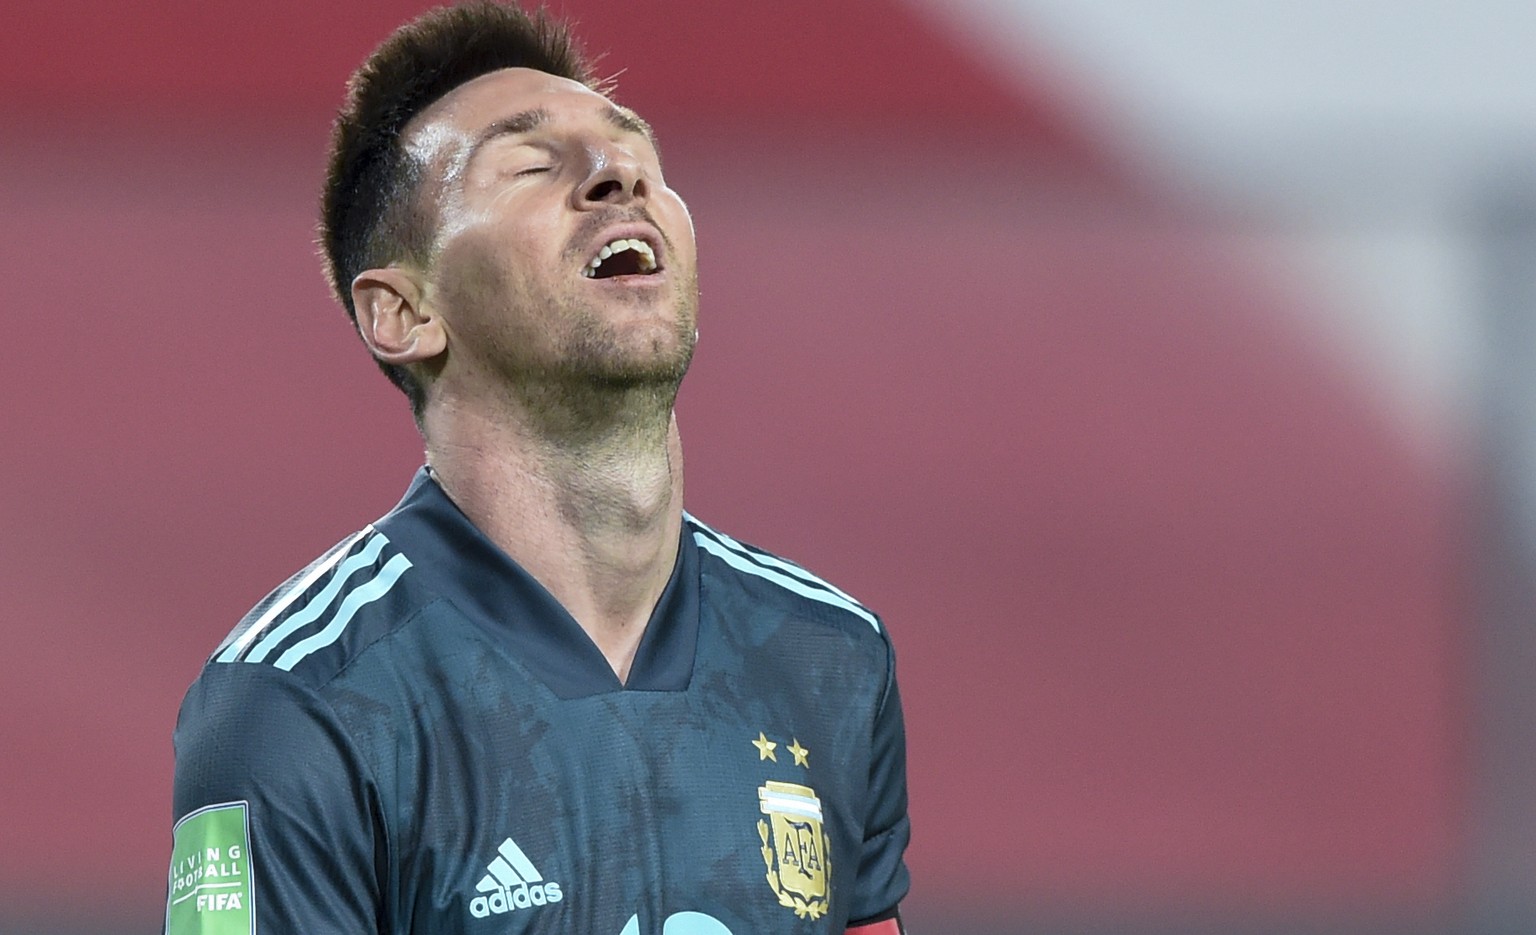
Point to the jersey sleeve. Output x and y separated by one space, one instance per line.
883 878
256 747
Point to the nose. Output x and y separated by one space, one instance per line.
615 178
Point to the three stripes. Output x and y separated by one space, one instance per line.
339 600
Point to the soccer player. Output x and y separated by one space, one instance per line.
535 696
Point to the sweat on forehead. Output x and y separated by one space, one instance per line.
507 102
504 92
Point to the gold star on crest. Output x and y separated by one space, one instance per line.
800 753
765 748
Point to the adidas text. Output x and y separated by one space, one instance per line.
503 900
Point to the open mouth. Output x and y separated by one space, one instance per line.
623 257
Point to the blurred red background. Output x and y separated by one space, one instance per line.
1177 607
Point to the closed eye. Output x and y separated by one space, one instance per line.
534 170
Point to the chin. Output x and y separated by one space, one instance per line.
658 357
652 370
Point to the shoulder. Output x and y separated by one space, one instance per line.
318 621
294 685
776 580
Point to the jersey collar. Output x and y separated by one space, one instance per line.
458 561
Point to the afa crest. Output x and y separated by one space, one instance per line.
795 848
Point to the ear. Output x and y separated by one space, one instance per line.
393 319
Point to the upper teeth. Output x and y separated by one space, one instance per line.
647 256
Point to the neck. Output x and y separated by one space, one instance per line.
585 494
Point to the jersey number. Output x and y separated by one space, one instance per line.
682 923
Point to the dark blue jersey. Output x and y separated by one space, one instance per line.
412 735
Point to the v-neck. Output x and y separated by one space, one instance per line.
462 564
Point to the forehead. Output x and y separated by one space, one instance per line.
460 114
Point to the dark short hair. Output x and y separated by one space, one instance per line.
369 210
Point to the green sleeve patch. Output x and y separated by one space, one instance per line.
210 881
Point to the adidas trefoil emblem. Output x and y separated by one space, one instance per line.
511 883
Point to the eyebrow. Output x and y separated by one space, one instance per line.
522 122
621 118
629 121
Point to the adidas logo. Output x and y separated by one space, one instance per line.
512 883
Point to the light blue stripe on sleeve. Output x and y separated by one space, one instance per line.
738 562
763 558
362 594
321 601
281 604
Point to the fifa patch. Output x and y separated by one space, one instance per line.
210 889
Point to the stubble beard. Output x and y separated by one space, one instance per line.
593 351
594 379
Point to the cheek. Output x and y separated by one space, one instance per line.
491 258
511 224
675 218
467 264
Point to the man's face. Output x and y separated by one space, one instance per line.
560 256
